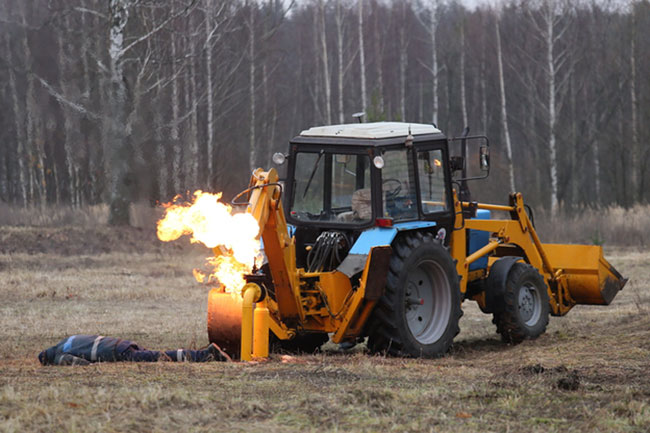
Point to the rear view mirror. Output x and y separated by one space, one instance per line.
468 166
484 158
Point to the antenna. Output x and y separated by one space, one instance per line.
409 138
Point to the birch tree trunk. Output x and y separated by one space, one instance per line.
210 96
433 26
35 141
70 125
596 158
532 140
463 101
315 88
99 154
447 93
379 63
484 109
174 134
324 59
188 135
86 193
117 116
33 136
194 121
504 110
161 149
482 74
574 152
253 157
19 125
362 60
339 52
403 60
635 155
550 65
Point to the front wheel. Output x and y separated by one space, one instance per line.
526 305
419 312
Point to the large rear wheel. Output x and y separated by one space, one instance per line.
419 312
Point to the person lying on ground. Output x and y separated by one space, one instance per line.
86 349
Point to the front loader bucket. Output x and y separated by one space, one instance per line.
591 280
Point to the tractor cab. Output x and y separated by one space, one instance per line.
351 178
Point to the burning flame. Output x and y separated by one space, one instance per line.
233 237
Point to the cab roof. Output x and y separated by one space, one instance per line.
369 134
370 130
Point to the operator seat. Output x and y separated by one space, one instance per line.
361 207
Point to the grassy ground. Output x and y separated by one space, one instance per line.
589 372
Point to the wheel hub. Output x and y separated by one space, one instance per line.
427 302
529 304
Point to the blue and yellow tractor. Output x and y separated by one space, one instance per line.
372 234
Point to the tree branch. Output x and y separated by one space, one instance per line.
65 101
156 29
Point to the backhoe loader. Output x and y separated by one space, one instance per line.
381 240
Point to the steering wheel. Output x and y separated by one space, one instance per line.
304 215
391 193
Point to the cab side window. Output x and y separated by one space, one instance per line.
432 181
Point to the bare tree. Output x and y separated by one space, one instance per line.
635 154
403 57
463 98
433 27
378 45
175 117
551 20
504 110
324 59
338 19
118 137
362 59
19 122
250 24
430 25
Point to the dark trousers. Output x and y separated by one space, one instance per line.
128 351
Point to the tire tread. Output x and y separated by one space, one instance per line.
383 324
508 323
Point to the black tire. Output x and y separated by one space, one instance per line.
422 276
302 343
526 305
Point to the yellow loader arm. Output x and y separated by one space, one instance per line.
575 274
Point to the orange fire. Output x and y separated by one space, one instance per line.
233 237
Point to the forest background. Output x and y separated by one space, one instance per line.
125 101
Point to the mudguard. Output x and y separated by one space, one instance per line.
496 283
374 237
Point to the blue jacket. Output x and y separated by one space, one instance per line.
91 348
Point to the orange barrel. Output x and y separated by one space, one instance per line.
224 320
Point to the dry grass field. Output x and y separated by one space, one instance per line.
589 372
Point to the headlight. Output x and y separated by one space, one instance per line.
279 158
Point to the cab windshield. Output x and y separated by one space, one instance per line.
332 187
